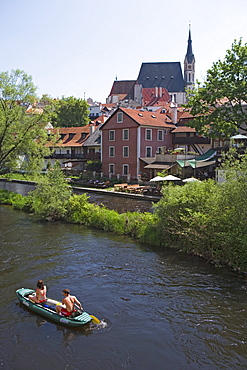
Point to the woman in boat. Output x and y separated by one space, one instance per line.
40 294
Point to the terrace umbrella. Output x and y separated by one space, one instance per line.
191 179
171 178
238 137
157 178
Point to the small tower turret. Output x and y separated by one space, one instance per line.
189 65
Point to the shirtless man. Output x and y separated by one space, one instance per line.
68 304
40 294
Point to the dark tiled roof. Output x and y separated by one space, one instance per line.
189 55
94 139
164 74
123 88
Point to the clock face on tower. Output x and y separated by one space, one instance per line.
189 66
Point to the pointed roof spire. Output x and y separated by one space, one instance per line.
189 55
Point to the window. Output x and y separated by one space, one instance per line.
126 151
112 151
126 134
111 168
120 117
160 135
112 135
148 151
148 134
125 169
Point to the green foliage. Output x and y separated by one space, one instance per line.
138 225
49 200
16 200
207 218
22 134
219 103
69 112
94 165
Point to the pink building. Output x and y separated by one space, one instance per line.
131 138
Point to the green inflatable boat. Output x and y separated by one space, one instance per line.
48 310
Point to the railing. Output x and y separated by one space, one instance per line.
191 140
90 156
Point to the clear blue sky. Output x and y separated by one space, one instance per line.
78 47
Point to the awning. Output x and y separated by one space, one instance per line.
197 162
208 155
159 166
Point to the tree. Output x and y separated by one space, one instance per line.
70 112
220 104
22 133
49 200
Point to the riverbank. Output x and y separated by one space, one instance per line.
81 189
188 218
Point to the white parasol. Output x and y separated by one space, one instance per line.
157 178
171 178
191 179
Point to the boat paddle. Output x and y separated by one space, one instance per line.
94 319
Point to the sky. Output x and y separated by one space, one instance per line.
78 48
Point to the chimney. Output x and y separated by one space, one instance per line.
174 109
92 129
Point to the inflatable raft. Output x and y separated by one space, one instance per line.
48 310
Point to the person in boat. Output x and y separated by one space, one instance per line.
68 304
40 293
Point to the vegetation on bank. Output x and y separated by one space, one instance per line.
205 218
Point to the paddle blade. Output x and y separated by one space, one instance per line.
95 320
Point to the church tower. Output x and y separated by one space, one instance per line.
189 65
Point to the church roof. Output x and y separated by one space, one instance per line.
189 55
152 97
163 74
123 87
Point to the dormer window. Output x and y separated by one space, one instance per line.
71 135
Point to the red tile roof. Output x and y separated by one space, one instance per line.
155 96
71 136
146 118
183 129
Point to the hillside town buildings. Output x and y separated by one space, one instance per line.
142 124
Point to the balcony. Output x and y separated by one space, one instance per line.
191 140
89 156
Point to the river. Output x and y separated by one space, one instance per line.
164 310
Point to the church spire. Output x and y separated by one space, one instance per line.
189 64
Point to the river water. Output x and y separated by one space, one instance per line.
164 310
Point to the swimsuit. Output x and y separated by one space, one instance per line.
65 312
43 295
